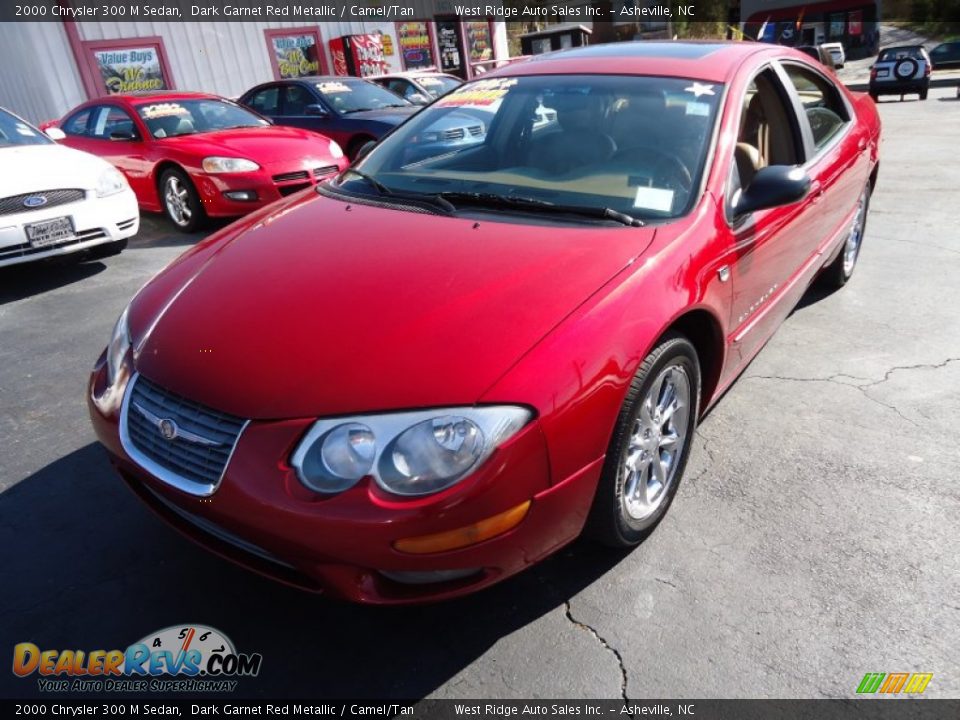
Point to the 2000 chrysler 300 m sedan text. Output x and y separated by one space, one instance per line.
426 375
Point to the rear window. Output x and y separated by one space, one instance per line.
899 53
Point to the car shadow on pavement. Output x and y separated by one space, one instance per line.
158 232
88 567
18 282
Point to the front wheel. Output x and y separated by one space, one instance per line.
181 202
650 445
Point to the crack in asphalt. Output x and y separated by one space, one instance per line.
606 646
835 379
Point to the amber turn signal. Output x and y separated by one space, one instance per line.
464 536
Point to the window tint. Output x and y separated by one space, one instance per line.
295 99
824 110
902 52
77 124
14 131
108 120
266 102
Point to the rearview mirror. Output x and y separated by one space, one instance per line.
55 133
315 110
773 186
418 99
364 150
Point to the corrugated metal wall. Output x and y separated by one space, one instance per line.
40 81
38 77
226 58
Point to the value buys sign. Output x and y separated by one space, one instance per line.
296 55
131 69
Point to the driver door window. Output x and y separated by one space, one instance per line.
295 100
768 133
112 123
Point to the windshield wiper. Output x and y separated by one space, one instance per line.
356 110
535 205
384 191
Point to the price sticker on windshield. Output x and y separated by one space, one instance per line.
163 110
333 88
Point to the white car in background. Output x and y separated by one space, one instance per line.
58 201
837 52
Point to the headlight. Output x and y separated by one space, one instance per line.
118 347
110 182
408 453
228 165
336 152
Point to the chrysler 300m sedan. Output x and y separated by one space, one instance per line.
429 374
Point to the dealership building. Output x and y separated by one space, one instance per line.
49 67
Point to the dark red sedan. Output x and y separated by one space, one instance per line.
194 156
430 374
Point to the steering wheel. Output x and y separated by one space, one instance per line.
666 167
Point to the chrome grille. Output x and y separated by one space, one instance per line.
14 203
201 443
455 134
325 170
476 130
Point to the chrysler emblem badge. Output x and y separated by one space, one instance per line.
35 201
168 429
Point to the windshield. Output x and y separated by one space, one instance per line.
349 96
15 132
633 145
171 118
437 85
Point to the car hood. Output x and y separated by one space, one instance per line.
265 145
29 168
391 116
322 307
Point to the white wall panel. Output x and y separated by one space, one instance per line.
38 76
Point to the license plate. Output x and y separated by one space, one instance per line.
49 232
882 73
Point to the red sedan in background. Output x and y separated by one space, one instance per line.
193 155
520 335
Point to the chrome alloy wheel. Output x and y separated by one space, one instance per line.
656 443
177 199
852 247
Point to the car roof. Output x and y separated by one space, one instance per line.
705 60
142 98
903 47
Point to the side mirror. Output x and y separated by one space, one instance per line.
123 135
364 150
55 133
315 110
773 186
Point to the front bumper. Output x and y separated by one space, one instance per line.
262 518
221 194
96 221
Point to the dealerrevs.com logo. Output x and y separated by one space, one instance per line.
180 658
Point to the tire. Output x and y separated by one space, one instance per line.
181 202
841 269
620 520
923 93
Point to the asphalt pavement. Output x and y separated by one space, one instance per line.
815 538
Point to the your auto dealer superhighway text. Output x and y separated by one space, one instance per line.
113 709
